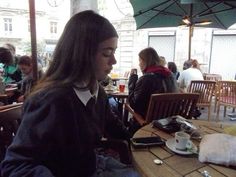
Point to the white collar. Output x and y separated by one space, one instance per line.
85 95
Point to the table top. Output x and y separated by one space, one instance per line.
118 94
175 165
119 78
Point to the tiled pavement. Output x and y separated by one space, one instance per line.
226 119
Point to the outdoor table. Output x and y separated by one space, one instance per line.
175 165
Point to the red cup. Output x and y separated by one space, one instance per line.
121 88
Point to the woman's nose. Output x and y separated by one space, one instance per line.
113 60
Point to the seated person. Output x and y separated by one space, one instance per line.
156 79
192 73
173 68
26 66
11 73
67 114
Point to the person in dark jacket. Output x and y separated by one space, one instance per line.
155 79
68 113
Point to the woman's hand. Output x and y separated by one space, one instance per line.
133 71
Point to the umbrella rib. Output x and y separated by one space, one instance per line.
167 13
151 8
181 7
214 13
208 8
217 19
231 5
157 14
201 14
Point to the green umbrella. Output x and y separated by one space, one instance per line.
173 13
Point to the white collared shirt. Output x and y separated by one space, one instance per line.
85 95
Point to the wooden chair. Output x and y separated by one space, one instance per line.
10 119
4 99
165 105
8 106
212 77
227 96
206 89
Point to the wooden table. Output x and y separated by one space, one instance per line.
175 165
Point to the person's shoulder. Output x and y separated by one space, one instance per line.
149 77
51 95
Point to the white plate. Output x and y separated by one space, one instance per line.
170 143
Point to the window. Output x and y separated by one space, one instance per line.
53 27
7 24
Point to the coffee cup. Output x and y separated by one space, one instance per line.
182 141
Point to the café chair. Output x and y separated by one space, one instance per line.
226 96
206 89
212 77
8 106
10 119
4 99
165 105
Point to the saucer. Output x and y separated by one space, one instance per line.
170 143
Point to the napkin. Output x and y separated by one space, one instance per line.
218 148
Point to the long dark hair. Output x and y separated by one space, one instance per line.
74 56
172 67
6 56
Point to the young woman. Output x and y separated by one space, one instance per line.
156 79
68 112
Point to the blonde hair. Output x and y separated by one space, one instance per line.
195 64
162 61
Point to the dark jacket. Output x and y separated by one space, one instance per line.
58 135
156 79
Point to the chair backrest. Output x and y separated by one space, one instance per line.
227 92
169 104
205 88
4 98
212 77
9 122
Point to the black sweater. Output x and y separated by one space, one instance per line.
58 135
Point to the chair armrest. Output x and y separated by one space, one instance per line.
136 116
120 146
9 106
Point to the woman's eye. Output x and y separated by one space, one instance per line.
108 53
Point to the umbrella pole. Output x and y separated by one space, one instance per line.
33 38
190 31
190 41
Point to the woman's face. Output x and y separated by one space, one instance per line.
142 65
105 58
